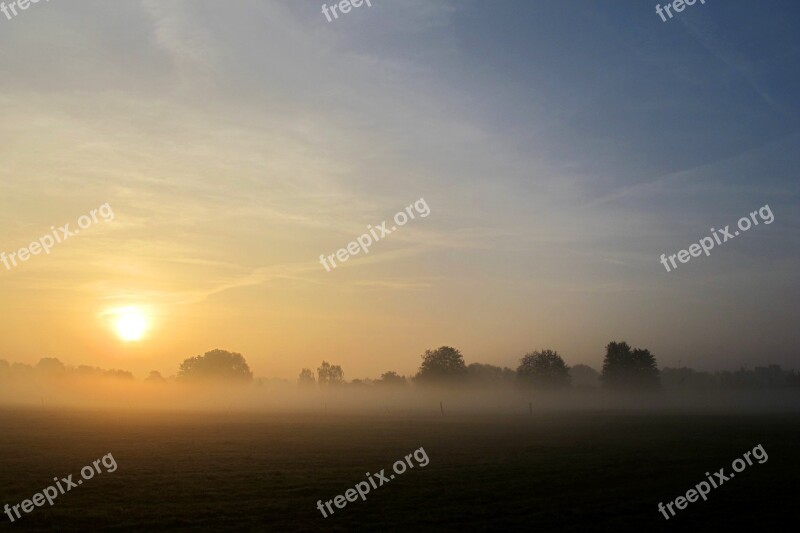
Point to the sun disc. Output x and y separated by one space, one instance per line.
131 325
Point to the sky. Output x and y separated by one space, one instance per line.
562 148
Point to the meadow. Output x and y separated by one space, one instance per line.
568 471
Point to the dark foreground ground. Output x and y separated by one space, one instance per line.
566 472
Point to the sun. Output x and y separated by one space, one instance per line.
130 324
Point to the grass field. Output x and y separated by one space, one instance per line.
566 472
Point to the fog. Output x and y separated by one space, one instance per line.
109 392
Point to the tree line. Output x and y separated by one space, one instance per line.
624 368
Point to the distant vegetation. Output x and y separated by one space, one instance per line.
306 377
216 365
329 375
444 365
392 379
584 376
52 368
624 369
544 370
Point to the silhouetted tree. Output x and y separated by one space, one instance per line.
686 378
22 371
442 365
118 374
306 377
155 377
624 368
761 377
216 365
328 374
391 378
50 366
545 369
490 375
584 376
85 371
770 377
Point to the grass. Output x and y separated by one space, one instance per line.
566 472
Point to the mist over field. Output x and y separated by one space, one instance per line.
482 390
324 452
